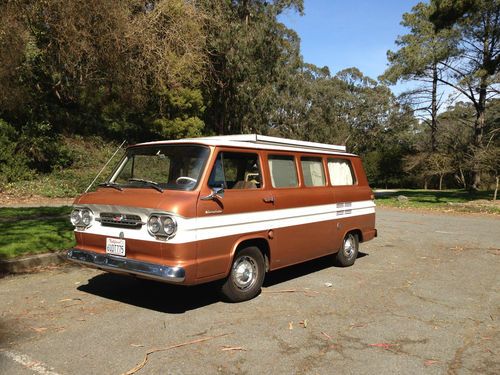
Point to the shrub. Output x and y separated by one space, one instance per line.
13 161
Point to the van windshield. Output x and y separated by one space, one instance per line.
171 167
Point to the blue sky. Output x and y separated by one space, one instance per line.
342 34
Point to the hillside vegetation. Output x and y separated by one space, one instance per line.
79 77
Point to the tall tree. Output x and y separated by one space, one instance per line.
250 53
419 57
474 70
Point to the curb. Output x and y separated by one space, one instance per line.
26 264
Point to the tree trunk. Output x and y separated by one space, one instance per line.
478 136
496 189
434 113
480 111
441 181
464 183
425 183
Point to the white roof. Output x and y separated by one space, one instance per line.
256 141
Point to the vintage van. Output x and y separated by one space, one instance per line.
229 207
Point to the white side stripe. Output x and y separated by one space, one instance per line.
203 228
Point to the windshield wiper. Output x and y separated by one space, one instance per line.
153 184
111 185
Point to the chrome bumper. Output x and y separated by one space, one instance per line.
124 265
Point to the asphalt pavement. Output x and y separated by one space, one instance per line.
422 298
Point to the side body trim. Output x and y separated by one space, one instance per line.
209 227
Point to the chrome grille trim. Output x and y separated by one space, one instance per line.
120 220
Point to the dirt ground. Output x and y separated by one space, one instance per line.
8 200
422 298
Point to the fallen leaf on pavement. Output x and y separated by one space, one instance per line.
384 345
137 345
430 362
326 335
70 299
231 348
39 329
290 325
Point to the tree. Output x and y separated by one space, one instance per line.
252 55
420 57
99 65
474 69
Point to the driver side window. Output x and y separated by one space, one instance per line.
234 170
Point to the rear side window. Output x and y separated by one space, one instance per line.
341 172
283 171
312 168
233 170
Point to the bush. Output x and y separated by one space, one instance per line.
44 147
13 161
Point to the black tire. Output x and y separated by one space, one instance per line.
246 276
349 250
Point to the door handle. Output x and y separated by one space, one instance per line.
269 199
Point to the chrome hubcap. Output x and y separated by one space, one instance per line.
349 246
244 272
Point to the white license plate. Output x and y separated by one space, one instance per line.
115 246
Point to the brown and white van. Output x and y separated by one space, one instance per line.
231 207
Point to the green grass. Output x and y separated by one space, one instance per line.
444 200
34 230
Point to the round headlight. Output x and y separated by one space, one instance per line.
169 225
87 217
76 217
154 225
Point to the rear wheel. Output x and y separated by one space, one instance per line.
349 251
246 277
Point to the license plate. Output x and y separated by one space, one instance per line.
115 246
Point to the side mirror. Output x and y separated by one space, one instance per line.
217 194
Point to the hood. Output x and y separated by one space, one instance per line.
179 202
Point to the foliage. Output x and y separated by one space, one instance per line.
13 164
96 67
90 154
78 77
251 56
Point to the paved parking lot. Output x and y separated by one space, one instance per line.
422 298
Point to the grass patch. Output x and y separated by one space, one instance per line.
442 200
34 230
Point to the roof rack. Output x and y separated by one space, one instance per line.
262 139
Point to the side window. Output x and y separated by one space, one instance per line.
283 171
234 170
341 172
312 169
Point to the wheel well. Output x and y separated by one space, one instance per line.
259 243
358 233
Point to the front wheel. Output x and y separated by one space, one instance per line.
246 276
349 251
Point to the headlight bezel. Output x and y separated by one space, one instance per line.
78 215
165 231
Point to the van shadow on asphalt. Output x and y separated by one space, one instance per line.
177 299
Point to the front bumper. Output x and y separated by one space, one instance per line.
129 266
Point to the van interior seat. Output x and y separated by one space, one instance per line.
244 185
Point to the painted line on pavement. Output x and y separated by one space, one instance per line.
29 363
